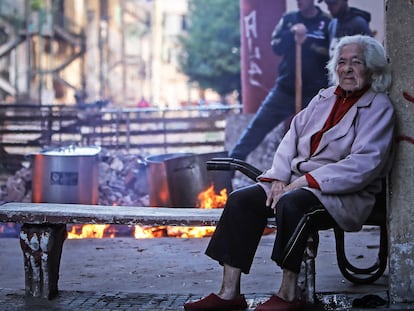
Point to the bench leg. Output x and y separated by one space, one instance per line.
42 249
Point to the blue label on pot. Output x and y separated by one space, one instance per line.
64 178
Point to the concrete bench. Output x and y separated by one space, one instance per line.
44 231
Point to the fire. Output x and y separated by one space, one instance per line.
206 199
148 232
209 199
90 231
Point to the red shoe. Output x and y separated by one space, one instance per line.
276 303
213 302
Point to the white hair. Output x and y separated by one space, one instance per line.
374 57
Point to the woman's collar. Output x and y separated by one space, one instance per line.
351 94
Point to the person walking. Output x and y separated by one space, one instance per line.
347 21
309 27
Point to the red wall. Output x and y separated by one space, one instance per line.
259 63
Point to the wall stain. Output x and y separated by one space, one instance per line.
401 138
409 98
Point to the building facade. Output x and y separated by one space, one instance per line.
56 51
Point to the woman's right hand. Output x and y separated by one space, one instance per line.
276 191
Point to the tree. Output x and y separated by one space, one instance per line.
211 47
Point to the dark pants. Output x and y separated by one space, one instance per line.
245 216
277 107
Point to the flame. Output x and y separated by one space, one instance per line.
90 231
191 232
209 199
206 199
148 232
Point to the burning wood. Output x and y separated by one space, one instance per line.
90 231
173 231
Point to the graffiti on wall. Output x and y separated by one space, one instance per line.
251 35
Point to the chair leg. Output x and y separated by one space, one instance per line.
355 274
307 273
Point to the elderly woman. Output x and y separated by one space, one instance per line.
329 164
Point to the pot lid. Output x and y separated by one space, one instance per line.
73 151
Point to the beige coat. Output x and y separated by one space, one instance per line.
350 160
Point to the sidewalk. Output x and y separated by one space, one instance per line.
161 274
13 300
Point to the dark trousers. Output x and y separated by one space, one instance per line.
244 218
277 107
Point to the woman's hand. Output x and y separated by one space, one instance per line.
279 188
297 184
276 190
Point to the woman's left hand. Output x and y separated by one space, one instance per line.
279 188
297 184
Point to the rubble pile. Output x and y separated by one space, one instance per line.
17 187
122 181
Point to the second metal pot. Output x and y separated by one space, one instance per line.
176 179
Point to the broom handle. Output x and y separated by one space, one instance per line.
298 78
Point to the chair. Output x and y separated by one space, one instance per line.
351 272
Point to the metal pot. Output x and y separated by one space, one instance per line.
66 175
176 179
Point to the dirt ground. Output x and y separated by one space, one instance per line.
174 265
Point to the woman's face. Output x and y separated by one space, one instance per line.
351 69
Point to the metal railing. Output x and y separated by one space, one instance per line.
30 128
